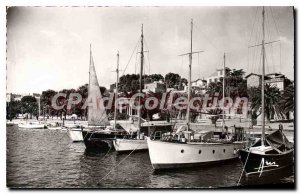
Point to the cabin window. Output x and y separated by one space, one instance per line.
199 152
182 151
224 150
213 151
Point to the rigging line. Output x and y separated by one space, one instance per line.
199 66
254 59
258 32
267 64
144 70
146 65
271 48
268 27
248 59
256 38
260 60
255 33
135 65
131 56
253 25
274 21
147 47
229 58
206 38
243 168
147 54
119 163
254 51
259 38
272 58
280 56
148 62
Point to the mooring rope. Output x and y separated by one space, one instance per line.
118 164
107 152
243 169
58 141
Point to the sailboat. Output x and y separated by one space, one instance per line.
145 128
187 148
32 125
98 135
273 152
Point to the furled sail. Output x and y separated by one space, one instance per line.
96 111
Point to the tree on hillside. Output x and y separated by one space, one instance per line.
172 80
272 98
287 101
30 105
235 85
130 83
13 109
46 102
156 77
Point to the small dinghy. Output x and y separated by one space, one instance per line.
32 125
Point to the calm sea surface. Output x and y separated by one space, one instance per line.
45 158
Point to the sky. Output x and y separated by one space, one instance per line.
48 47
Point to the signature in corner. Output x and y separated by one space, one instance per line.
265 164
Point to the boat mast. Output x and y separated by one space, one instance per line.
263 80
141 75
190 79
116 94
224 75
89 78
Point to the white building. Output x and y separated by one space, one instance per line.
155 87
253 80
274 79
201 83
215 77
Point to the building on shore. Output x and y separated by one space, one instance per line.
216 76
277 80
273 79
18 97
199 86
155 87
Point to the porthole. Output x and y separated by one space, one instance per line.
224 150
182 151
213 151
199 152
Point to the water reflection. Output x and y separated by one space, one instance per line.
48 159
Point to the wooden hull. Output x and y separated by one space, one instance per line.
54 128
75 135
31 126
258 164
9 123
99 141
165 155
123 145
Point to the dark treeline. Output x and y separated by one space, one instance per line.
281 102
130 83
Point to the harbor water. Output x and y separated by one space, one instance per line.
44 158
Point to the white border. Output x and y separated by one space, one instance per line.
5 3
